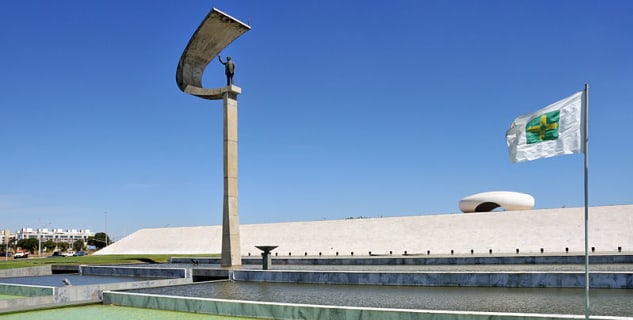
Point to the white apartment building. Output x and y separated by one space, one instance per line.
57 235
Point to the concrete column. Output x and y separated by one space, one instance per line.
231 250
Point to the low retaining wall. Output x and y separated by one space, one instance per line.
24 303
70 294
26 290
607 280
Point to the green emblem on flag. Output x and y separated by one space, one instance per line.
543 127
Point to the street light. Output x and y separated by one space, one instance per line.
106 226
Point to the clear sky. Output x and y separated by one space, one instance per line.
349 109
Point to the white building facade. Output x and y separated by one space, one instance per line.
56 235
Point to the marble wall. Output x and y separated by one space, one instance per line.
553 230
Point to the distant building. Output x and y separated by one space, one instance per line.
56 235
5 237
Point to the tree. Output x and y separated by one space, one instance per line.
12 243
100 240
63 246
49 245
30 244
78 245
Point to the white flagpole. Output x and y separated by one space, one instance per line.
586 151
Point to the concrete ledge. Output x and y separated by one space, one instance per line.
453 260
210 273
197 260
268 310
610 280
71 294
65 268
122 271
42 303
424 260
213 93
26 272
94 292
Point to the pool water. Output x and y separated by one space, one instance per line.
107 312
608 302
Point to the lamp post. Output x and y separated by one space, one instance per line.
106 228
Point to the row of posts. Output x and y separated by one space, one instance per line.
428 252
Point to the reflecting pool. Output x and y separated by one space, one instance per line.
102 312
611 302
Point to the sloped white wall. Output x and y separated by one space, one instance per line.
503 232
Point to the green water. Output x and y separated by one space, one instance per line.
103 312
8 297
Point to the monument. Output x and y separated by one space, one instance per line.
214 34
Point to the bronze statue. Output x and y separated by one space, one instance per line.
229 69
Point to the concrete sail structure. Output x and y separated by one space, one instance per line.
215 33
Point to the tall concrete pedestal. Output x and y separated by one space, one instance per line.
231 250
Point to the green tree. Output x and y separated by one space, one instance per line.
78 245
12 243
100 240
63 246
49 245
30 244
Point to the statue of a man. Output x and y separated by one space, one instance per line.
229 69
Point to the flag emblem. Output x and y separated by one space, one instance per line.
543 128
554 130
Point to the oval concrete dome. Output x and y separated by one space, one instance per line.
488 201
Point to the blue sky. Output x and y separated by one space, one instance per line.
349 108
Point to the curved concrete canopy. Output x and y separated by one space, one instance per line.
488 201
214 34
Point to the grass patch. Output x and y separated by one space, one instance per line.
95 260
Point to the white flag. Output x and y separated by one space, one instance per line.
554 130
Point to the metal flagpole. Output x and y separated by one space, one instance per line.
586 140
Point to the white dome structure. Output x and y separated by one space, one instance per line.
488 201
